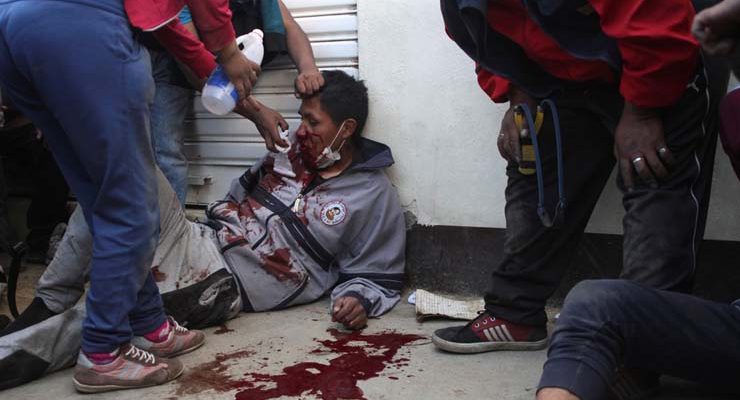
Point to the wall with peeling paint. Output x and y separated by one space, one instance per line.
426 104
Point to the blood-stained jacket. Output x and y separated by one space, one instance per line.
289 240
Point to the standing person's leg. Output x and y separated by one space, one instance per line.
611 323
664 225
98 130
535 257
184 254
171 102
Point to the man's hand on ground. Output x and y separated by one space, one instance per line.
350 312
718 27
639 146
308 83
508 137
267 121
241 71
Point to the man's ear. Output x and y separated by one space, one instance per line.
349 128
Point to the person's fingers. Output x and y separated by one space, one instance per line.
501 147
269 141
699 26
639 163
300 86
666 155
515 147
341 310
625 169
715 44
656 165
357 323
315 86
274 130
355 311
321 80
283 124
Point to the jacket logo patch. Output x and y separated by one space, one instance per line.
333 213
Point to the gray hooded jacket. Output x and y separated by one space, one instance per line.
306 235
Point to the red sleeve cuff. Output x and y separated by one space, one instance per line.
496 87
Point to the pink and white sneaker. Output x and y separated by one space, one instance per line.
130 368
173 341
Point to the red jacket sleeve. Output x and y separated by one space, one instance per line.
495 86
184 46
213 20
659 54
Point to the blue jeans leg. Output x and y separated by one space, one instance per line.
607 324
86 83
171 102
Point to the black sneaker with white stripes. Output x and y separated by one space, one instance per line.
488 333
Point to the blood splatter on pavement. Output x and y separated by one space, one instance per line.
359 357
222 329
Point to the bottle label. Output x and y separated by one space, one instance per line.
218 77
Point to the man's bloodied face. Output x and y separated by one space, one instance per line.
317 131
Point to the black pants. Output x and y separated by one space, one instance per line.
662 227
607 324
25 156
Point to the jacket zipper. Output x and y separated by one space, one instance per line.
267 232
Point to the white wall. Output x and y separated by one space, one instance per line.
425 103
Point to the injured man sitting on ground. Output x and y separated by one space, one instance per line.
320 218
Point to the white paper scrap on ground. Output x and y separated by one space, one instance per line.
430 305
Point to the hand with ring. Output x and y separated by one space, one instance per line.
640 147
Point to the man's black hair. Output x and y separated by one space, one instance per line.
344 97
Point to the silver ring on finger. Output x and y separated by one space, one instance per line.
662 151
637 160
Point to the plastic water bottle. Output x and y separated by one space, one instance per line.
219 95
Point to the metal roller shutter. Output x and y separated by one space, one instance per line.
220 148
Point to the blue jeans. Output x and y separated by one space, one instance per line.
607 324
75 69
171 102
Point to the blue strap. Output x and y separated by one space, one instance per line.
547 221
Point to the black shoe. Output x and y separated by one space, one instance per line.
488 333
33 314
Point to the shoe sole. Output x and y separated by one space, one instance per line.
483 347
83 388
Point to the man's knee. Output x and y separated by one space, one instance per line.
596 298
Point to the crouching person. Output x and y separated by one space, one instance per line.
321 218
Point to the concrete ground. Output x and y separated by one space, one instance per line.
298 353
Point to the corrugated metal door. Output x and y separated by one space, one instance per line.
220 148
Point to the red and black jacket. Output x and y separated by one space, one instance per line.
539 45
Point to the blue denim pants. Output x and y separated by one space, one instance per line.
171 102
607 324
75 69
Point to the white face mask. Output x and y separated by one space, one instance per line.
328 157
